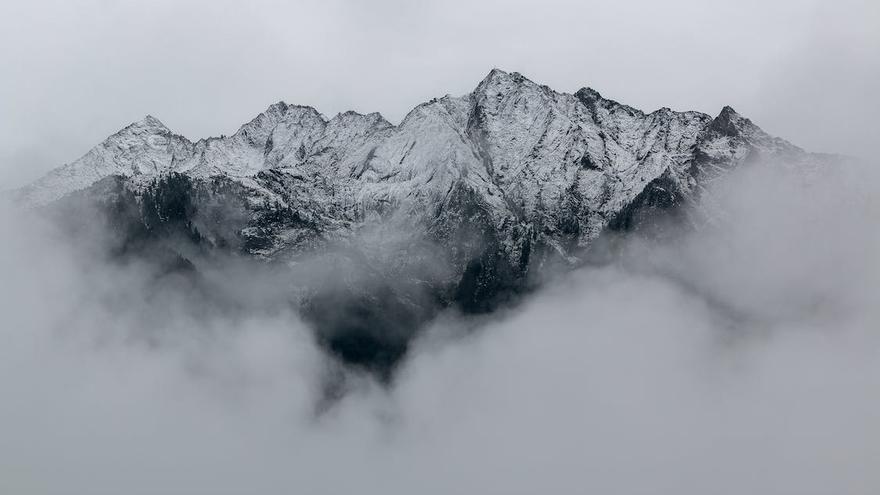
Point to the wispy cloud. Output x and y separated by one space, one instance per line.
739 358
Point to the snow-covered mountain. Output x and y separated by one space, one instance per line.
465 200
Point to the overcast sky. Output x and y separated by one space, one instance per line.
75 72
743 357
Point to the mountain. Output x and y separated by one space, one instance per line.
465 203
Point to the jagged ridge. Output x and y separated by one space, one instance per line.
490 186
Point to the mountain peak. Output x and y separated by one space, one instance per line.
496 73
279 107
372 118
526 128
729 123
493 78
149 123
499 81
588 94
593 99
728 112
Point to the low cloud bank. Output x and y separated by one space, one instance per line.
740 358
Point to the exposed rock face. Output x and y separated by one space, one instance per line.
461 203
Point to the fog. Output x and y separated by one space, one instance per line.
741 357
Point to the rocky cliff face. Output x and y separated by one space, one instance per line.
464 203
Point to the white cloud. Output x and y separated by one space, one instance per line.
741 359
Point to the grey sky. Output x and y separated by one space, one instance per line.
737 359
75 72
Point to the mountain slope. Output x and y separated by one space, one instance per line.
464 203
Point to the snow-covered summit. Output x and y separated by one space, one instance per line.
563 164
465 202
